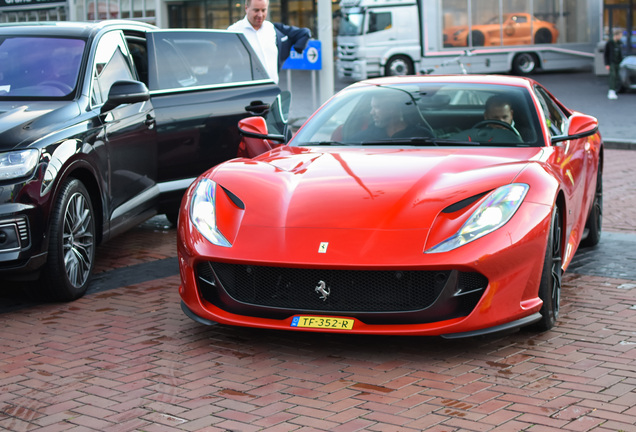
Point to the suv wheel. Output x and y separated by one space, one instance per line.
71 255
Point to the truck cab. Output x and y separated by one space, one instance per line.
377 38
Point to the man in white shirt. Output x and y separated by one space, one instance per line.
260 33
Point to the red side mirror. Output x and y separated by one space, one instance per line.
253 143
582 124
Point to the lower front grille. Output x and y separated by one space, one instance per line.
268 291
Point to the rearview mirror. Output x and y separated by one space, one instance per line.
579 126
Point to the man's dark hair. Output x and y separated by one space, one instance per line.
497 100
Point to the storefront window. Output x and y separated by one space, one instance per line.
480 23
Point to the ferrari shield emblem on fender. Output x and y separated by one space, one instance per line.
323 290
323 247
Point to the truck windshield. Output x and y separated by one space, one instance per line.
351 24
39 66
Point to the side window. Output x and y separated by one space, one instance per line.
111 64
200 58
379 21
554 117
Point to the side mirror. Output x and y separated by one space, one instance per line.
255 139
125 92
579 126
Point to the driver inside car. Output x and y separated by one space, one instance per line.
496 128
498 108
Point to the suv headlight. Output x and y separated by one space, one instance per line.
18 164
492 214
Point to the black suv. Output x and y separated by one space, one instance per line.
103 125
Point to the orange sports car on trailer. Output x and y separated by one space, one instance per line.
514 29
420 205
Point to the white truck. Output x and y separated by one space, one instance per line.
402 37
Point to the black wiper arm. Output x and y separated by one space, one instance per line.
431 141
323 143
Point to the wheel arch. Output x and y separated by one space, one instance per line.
560 202
84 173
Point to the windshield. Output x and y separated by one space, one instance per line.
425 114
39 66
351 23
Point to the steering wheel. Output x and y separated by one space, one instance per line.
65 88
484 123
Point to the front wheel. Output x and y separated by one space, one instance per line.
524 63
399 65
543 36
479 39
71 255
550 288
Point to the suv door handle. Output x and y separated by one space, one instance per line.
257 107
150 120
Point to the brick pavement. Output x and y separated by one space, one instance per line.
127 359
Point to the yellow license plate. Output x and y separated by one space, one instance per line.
322 322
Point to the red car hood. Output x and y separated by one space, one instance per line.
365 188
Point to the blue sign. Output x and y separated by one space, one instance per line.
310 59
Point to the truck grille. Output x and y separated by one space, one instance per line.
347 52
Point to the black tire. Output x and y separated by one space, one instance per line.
173 217
543 36
524 64
71 256
594 222
478 38
399 65
551 275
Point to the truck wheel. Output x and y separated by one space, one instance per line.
524 63
478 38
71 255
398 65
543 36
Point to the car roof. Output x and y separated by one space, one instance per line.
506 80
71 28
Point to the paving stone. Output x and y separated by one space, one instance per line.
126 358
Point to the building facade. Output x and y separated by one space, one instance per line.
216 14
219 14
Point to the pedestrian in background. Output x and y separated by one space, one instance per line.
271 42
613 56
288 37
261 35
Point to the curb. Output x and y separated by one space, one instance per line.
619 144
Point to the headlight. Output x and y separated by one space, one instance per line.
491 215
18 163
203 212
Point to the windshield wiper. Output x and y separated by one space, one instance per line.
324 143
420 142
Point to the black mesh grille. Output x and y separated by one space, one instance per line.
350 291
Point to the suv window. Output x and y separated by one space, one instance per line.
192 59
110 65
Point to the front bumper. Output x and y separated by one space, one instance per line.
20 242
357 70
509 259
